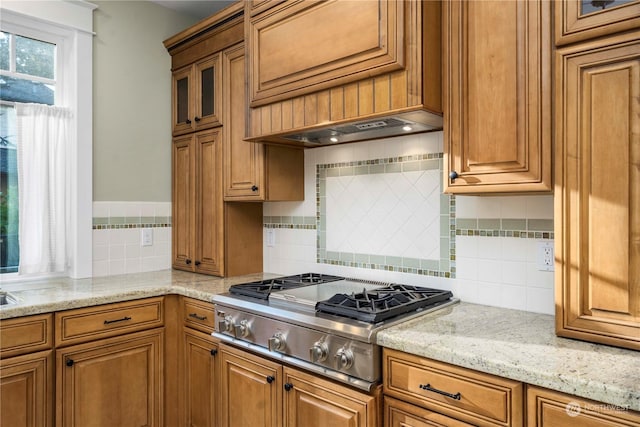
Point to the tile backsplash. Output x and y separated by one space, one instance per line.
117 237
367 215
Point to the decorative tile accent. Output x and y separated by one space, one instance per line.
505 227
291 222
112 223
368 209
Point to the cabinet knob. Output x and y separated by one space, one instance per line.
453 175
254 188
197 119
270 379
187 261
69 362
214 351
288 386
188 121
198 262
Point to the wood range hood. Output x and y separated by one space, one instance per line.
351 79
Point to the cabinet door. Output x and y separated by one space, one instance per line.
182 188
200 379
243 161
497 96
546 408
181 101
317 31
26 390
207 94
578 20
209 218
401 414
251 390
597 194
313 402
111 382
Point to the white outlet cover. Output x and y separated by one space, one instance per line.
271 238
545 256
146 237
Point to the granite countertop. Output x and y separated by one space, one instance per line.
521 346
49 295
513 344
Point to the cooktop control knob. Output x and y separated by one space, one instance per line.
225 323
344 357
242 329
277 342
318 352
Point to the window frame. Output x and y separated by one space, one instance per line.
74 69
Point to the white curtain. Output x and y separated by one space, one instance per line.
43 186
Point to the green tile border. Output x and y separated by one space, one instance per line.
443 267
505 227
119 222
291 222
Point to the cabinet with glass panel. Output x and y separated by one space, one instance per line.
580 20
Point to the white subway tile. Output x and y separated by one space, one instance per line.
133 265
466 268
489 247
116 252
100 268
116 266
101 237
100 253
514 297
540 300
514 248
540 207
514 273
101 209
489 270
514 207
132 251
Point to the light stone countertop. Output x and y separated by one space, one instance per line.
49 295
513 344
521 346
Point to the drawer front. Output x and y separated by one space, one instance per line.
198 314
467 395
25 335
91 323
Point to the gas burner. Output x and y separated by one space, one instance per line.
263 288
380 304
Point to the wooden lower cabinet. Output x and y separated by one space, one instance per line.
554 409
112 382
26 390
259 392
401 414
199 378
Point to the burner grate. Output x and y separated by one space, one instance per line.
377 305
261 289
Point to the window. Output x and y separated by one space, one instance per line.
27 74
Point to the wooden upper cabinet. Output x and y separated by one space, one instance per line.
253 171
196 103
319 64
497 96
303 46
578 20
597 196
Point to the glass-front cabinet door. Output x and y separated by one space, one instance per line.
196 99
579 20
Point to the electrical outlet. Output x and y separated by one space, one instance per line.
271 237
147 237
545 259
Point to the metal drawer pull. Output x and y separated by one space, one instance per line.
125 318
195 316
428 387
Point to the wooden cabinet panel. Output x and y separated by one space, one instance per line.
251 389
198 314
200 378
23 335
497 98
209 220
316 31
470 396
582 20
401 414
183 211
26 390
598 191
314 402
111 382
91 323
254 171
554 409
